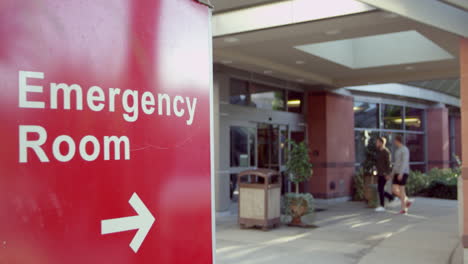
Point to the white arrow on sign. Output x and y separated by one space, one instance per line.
143 222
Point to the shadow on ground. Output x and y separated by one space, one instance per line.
348 233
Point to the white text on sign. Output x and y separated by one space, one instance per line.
72 97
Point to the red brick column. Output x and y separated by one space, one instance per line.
464 133
438 137
330 122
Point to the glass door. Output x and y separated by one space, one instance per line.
242 146
268 146
271 146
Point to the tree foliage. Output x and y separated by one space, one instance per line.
298 165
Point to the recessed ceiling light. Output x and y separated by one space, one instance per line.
226 61
333 32
300 62
409 68
300 80
267 72
231 39
390 15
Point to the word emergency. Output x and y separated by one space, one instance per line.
96 99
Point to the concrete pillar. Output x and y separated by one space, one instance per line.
438 147
330 121
222 199
464 127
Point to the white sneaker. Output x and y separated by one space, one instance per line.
380 209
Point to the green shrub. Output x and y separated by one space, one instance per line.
441 189
437 183
417 182
447 176
298 165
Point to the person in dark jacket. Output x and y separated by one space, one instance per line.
384 170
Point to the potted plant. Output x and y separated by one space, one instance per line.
368 171
299 169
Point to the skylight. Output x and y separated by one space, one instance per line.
380 50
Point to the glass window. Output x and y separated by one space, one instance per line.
392 116
362 140
415 144
414 119
366 115
242 146
418 167
283 143
411 128
239 92
266 97
252 146
295 102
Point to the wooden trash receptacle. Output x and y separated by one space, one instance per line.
259 198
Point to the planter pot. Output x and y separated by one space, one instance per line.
373 195
369 181
298 211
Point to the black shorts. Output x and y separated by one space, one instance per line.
403 180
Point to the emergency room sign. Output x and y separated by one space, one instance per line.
105 132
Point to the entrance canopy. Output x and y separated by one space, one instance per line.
339 43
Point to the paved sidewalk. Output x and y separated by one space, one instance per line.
348 233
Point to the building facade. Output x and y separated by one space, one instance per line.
255 115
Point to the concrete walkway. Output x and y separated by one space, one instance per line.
348 233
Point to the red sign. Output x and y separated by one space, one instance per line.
105 132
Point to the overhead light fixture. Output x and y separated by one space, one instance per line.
231 40
294 103
267 72
414 121
226 61
358 108
333 32
300 62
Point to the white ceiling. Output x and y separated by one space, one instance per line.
225 5
273 50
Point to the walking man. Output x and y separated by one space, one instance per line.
383 161
401 173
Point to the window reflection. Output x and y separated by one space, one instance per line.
242 146
409 125
239 92
264 97
366 115
415 144
392 116
418 167
363 139
414 119
294 103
